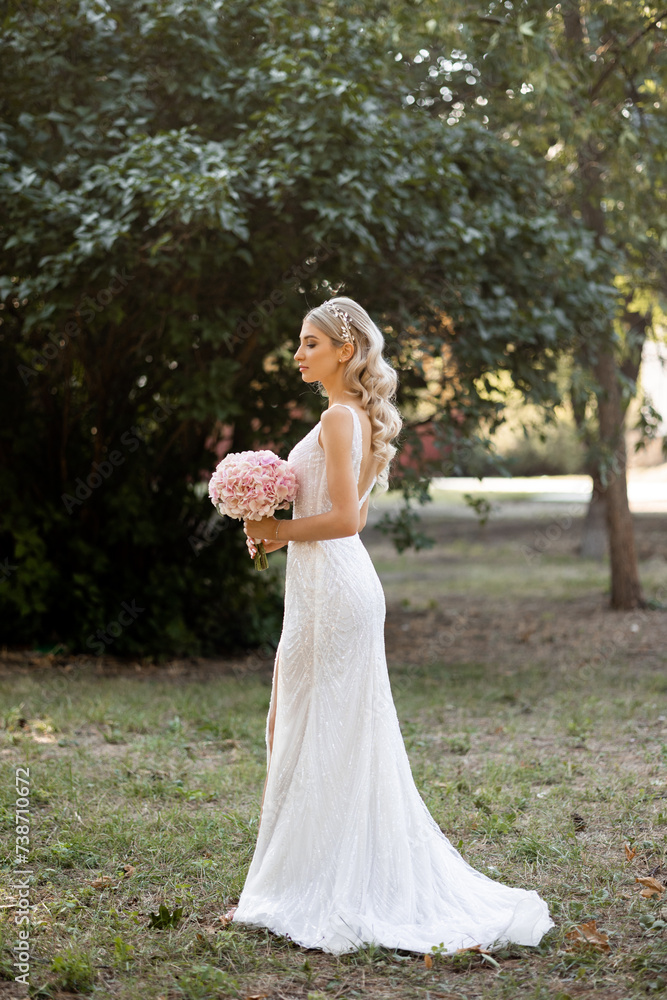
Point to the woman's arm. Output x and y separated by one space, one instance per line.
343 518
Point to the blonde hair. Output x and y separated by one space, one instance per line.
368 374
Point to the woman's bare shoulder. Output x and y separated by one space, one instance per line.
336 416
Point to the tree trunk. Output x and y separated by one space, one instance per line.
594 533
626 591
625 586
594 543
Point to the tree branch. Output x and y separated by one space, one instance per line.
626 48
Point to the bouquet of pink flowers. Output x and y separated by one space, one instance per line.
252 484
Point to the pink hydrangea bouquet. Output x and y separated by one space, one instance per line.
252 484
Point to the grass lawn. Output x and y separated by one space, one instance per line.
536 724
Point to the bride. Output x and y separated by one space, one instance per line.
347 853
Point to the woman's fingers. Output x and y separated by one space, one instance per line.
252 548
250 542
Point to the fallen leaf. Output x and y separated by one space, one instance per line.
579 822
128 870
227 917
588 933
629 852
483 952
104 882
651 887
428 961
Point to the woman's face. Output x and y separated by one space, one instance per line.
317 356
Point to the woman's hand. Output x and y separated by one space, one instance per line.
264 529
270 544
252 548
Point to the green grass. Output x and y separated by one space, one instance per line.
154 781
481 567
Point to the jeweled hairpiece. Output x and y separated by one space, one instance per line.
343 317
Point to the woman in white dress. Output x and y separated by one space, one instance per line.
347 852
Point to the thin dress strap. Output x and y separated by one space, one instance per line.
363 499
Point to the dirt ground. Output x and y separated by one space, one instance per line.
434 612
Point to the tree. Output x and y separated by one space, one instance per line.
581 85
179 183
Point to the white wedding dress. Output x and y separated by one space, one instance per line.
347 852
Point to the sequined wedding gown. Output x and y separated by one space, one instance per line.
347 852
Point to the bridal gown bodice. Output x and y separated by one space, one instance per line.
347 852
307 461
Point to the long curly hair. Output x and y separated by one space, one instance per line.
367 374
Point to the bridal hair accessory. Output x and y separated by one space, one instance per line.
343 317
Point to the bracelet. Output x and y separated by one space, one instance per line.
277 526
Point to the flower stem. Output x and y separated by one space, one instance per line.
261 560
